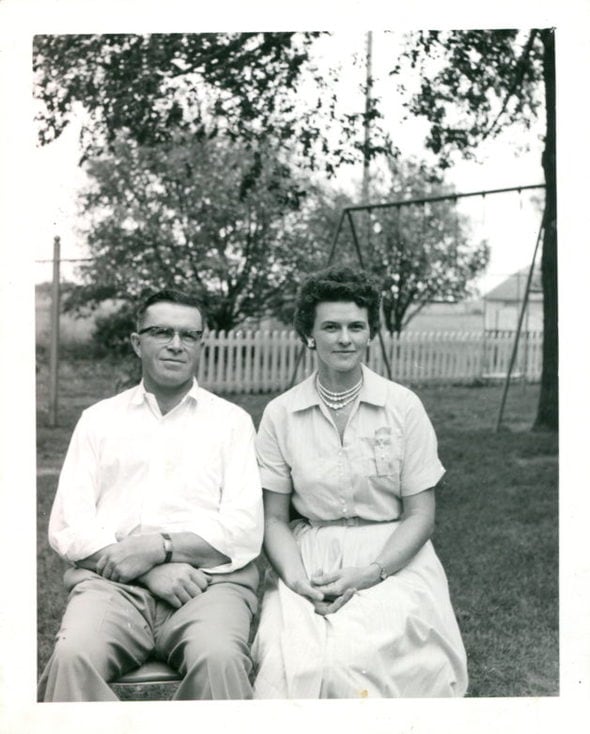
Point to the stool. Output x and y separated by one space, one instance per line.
152 671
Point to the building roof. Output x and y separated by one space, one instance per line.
512 289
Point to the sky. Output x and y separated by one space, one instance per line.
508 222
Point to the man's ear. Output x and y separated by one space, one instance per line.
136 344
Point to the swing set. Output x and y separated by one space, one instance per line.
347 214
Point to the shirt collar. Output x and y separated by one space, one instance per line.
305 394
373 391
138 396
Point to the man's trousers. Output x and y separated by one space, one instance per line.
110 628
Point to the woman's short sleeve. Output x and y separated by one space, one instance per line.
421 467
275 472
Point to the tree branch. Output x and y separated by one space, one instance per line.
519 72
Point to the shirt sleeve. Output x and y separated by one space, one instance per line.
421 467
238 527
74 530
275 472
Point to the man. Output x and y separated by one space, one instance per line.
159 512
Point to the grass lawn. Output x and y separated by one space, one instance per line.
496 534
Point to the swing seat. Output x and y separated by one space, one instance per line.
151 672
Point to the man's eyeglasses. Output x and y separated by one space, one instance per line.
164 334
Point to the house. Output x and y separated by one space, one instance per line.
503 304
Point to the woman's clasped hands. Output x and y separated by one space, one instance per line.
329 592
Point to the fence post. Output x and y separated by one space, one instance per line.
54 338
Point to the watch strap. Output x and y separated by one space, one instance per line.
167 547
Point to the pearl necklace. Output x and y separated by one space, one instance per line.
338 400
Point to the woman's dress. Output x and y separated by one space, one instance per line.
398 638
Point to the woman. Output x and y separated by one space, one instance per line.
356 603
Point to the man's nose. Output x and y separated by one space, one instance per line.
175 343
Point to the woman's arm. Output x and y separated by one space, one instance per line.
281 547
415 528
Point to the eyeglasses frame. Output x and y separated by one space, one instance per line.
194 334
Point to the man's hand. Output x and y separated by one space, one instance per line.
130 558
175 583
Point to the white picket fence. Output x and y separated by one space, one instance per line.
264 361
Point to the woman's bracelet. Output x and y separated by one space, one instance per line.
382 572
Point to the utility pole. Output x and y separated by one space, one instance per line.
368 90
54 339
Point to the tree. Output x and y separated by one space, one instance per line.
143 96
151 87
472 85
418 253
172 215
422 253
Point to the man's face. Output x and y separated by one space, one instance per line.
168 363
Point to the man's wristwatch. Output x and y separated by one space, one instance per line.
382 572
167 547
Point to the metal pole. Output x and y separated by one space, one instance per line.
519 327
525 354
367 141
54 338
360 257
301 350
335 239
355 239
446 197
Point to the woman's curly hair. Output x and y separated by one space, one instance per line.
337 283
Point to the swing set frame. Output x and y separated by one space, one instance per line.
347 213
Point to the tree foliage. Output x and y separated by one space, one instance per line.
420 253
417 253
474 84
148 88
172 215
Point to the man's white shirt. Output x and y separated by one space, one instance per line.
130 470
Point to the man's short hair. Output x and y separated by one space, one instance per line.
168 295
337 283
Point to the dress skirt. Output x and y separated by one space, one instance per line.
396 639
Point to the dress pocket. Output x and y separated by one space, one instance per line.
382 458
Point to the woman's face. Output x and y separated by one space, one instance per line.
341 333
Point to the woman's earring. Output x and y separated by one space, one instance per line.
311 343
